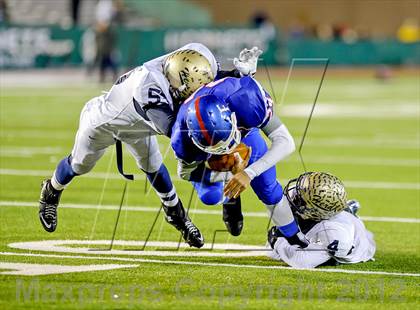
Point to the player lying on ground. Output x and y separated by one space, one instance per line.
140 105
329 221
214 120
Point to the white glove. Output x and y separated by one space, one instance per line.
247 61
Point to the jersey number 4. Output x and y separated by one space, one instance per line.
333 247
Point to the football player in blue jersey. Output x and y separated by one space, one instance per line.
139 106
214 120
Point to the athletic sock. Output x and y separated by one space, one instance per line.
282 216
63 174
161 182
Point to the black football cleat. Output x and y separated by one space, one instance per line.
272 235
232 216
298 239
48 203
177 217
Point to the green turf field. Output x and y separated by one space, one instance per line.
364 131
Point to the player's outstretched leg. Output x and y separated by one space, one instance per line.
178 218
51 191
48 203
232 216
282 216
212 194
174 211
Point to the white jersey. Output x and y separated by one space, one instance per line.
147 86
343 238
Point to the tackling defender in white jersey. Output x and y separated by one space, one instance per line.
140 105
335 234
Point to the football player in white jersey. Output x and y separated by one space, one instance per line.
335 233
140 105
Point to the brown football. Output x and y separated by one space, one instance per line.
227 161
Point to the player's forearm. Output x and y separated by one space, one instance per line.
198 172
282 145
310 257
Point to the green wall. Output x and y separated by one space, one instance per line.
53 46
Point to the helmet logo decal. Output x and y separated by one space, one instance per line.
184 76
222 108
200 121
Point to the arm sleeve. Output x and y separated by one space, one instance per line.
282 145
162 117
310 257
198 172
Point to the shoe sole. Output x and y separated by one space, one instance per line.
235 231
45 225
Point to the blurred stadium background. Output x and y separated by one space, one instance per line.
61 33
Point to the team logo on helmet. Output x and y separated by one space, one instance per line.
186 71
212 125
316 195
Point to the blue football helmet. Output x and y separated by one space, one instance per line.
212 125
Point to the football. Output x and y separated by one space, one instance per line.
226 162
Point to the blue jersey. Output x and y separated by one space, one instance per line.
252 105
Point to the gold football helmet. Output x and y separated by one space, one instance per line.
316 195
186 71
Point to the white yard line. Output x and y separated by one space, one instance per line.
360 161
175 178
89 247
45 173
218 211
172 262
406 110
375 142
17 151
27 152
27 269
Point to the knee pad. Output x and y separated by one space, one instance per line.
271 195
82 168
151 163
211 198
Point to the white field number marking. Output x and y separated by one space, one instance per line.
25 269
91 247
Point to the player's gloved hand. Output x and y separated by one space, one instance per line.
247 61
298 239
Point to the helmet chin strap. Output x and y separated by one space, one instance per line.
176 92
182 88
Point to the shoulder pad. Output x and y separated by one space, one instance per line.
152 90
252 105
